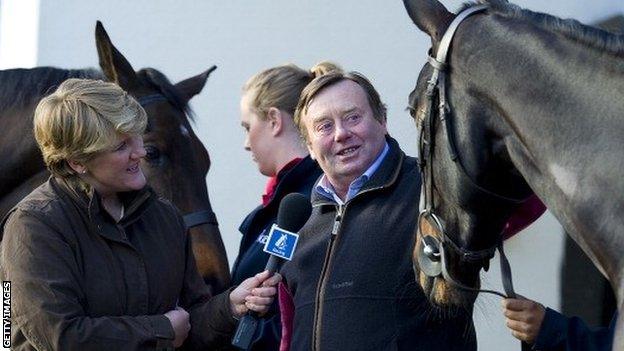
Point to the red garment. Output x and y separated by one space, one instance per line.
269 189
526 214
287 314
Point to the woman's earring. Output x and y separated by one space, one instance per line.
83 171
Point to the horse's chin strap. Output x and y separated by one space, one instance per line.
505 276
195 219
432 260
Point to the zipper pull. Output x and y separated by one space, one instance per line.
337 221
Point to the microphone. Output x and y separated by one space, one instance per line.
293 212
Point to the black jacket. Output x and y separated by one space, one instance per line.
355 289
251 259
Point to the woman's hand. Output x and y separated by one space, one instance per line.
256 293
524 318
179 319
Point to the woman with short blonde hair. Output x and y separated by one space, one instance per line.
81 118
96 259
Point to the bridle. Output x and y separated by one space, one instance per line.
195 218
432 255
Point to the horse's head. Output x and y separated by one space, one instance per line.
176 163
470 186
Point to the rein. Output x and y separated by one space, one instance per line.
432 258
195 218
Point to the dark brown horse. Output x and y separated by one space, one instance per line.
522 103
176 163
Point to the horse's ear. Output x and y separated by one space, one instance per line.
430 16
192 86
114 65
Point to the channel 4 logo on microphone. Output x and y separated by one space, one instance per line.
281 243
6 314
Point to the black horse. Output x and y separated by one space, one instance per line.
532 105
176 163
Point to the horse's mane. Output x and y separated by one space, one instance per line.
20 87
573 29
158 81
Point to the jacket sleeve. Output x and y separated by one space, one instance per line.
48 301
559 333
212 323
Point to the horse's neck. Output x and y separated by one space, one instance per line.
585 195
578 173
566 120
588 212
19 153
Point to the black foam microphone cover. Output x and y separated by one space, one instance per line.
294 211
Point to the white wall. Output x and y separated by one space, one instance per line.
183 38
18 16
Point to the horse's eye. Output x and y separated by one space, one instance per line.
152 154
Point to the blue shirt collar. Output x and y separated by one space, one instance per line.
325 188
